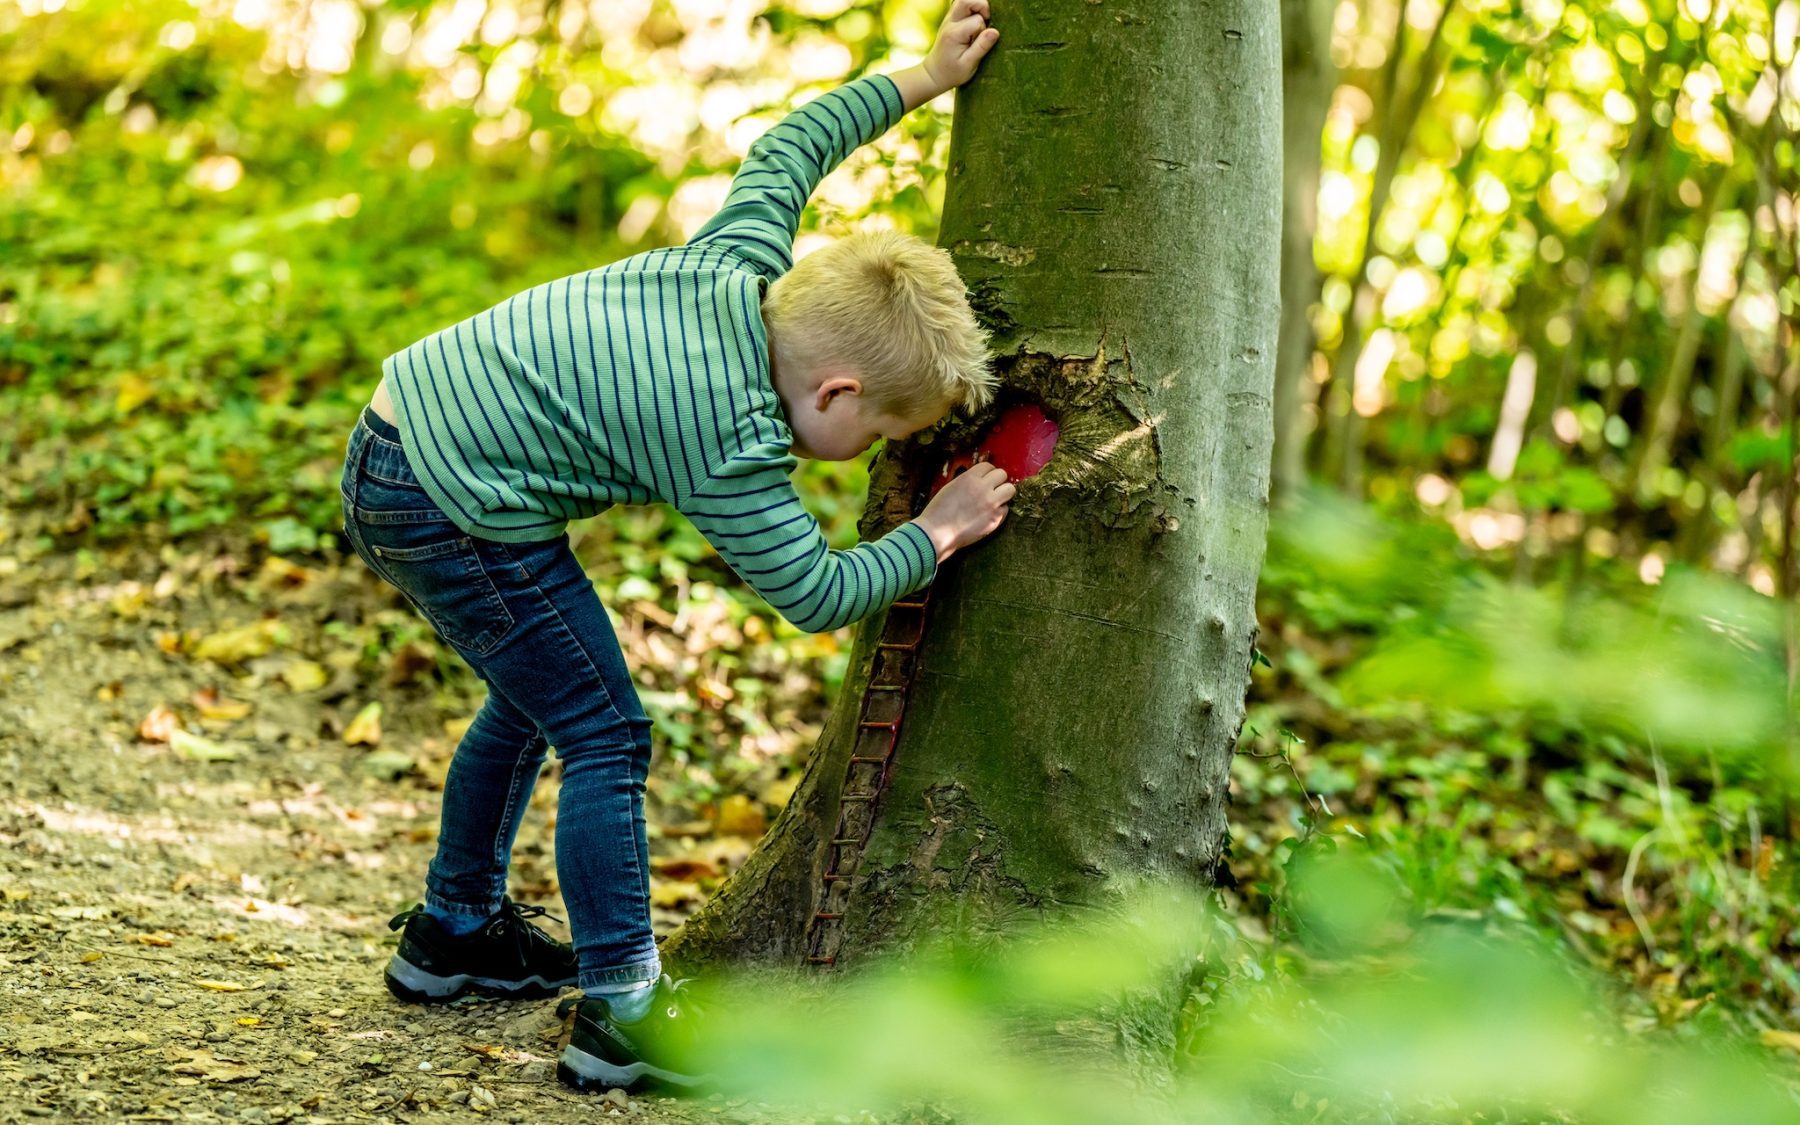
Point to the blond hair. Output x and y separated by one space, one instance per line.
891 306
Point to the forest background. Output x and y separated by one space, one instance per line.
1529 643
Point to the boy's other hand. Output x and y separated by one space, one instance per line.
963 40
969 508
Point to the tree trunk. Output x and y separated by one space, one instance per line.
1341 450
1307 77
1668 399
1078 687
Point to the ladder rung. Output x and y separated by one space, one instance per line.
831 876
908 646
823 960
823 916
887 687
865 758
857 797
907 605
857 840
876 724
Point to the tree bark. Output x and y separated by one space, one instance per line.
1114 208
1307 79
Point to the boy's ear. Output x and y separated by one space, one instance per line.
836 381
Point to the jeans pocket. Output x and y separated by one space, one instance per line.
448 584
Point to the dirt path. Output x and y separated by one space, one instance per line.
194 928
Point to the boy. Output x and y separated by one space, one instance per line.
693 375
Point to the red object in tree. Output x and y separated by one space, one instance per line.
1020 443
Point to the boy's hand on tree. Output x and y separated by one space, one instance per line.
963 40
967 509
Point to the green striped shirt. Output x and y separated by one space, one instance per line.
648 380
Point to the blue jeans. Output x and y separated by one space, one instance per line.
526 619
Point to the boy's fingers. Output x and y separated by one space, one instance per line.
964 31
963 7
981 45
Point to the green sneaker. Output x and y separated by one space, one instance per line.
662 1049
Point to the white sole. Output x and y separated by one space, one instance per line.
429 985
583 1071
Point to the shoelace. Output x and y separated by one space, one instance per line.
512 919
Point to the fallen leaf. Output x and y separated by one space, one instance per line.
17 894
388 765
248 1021
36 1039
484 1049
667 893
220 985
365 729
158 725
407 661
161 939
213 706
202 1063
81 912
134 391
1773 1037
90 956
304 675
279 573
234 646
683 867
738 815
200 749
689 828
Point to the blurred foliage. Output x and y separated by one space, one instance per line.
1611 763
1468 1021
219 224
1559 296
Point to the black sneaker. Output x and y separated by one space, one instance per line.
507 957
659 1050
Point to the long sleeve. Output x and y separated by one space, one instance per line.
748 510
762 211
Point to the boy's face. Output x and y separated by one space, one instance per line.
839 423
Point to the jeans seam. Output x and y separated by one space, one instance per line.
643 879
511 807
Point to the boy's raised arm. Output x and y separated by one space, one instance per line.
762 211
784 165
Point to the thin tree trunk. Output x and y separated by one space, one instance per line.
1597 238
1699 536
1663 415
1342 451
1114 207
1308 77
